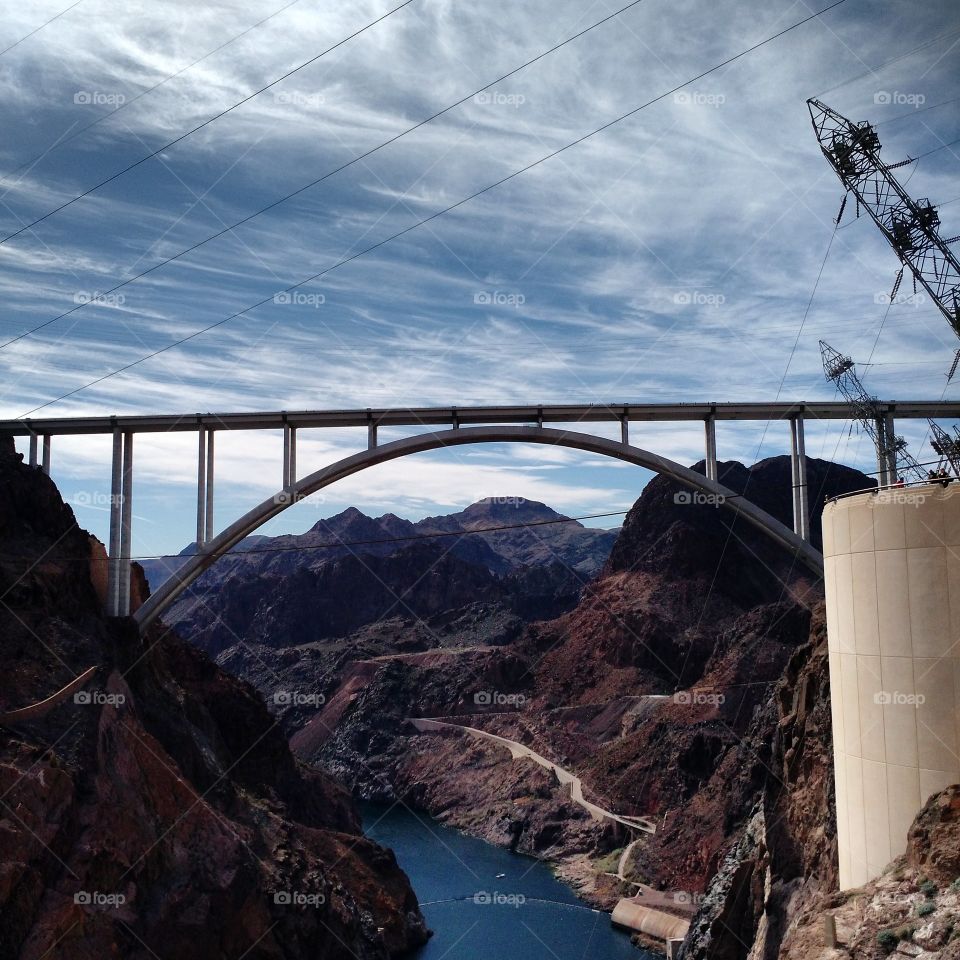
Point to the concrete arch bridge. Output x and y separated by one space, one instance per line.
458 426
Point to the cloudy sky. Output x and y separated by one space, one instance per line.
670 257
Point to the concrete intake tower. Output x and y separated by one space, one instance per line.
892 580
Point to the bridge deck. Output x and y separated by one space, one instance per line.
427 416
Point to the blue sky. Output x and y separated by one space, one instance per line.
671 257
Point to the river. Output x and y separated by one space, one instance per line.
476 914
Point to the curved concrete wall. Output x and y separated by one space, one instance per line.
892 574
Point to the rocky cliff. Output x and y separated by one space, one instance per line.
158 812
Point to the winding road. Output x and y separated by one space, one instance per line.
565 777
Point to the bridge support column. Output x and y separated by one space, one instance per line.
798 465
201 486
624 430
45 462
710 432
289 456
371 435
116 502
126 527
208 507
891 448
33 450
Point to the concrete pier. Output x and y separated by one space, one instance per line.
892 574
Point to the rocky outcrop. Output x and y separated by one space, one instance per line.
911 910
159 812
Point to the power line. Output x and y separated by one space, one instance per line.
332 545
143 93
445 210
872 72
205 123
422 536
326 176
38 29
917 112
942 146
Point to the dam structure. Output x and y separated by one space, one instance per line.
892 579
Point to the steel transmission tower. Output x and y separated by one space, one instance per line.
893 458
910 226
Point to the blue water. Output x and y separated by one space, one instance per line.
475 915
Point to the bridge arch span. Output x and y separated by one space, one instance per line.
438 440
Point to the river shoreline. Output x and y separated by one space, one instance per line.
463 881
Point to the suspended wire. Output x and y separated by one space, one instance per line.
886 63
143 93
207 122
917 112
336 544
313 183
803 323
942 146
443 211
38 29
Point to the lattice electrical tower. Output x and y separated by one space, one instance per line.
911 228
893 458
